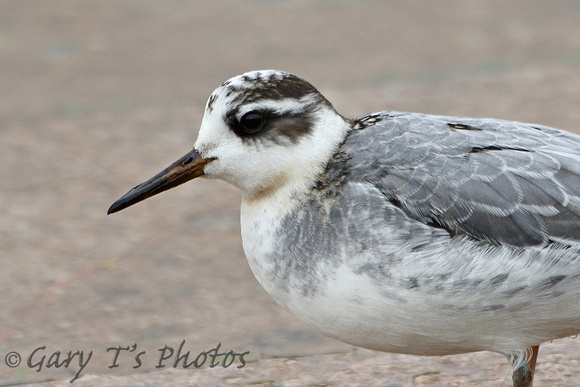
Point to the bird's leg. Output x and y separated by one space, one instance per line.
523 376
532 360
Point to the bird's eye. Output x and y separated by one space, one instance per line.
252 122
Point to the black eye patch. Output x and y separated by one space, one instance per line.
269 125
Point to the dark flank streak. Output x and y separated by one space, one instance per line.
498 279
512 292
412 283
551 282
492 307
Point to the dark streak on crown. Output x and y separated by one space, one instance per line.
273 88
210 102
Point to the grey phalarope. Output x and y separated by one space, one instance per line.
399 232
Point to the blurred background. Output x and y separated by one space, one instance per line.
96 97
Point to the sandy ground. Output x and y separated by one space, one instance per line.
98 96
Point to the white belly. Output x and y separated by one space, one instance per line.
442 303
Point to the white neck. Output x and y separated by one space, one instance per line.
261 212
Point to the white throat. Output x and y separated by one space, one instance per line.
301 164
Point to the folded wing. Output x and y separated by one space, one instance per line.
500 181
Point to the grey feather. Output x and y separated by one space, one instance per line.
500 181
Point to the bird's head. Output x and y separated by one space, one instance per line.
261 131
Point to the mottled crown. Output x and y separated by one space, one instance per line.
271 85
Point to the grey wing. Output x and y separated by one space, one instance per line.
501 181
